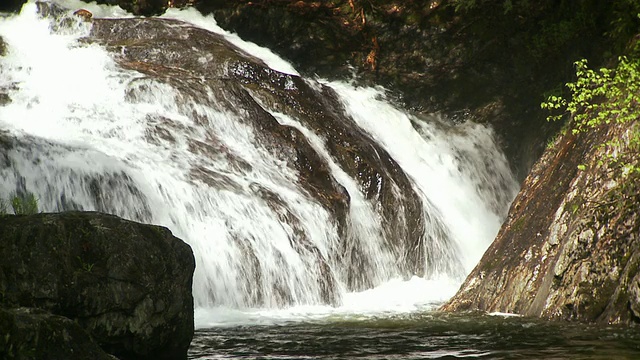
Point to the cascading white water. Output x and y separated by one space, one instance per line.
368 233
82 141
458 168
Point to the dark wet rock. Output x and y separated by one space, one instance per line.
380 178
11 5
139 7
4 97
570 248
127 284
3 47
29 333
204 68
146 7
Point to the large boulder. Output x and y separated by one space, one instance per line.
570 248
127 284
29 333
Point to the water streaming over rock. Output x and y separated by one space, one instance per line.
291 192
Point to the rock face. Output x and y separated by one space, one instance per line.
570 248
127 284
29 333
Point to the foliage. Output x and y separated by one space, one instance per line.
22 204
625 21
88 267
25 204
599 98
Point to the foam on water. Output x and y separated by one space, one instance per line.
395 298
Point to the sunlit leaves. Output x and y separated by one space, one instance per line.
599 97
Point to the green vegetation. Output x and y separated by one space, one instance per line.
88 267
600 97
21 204
518 225
625 20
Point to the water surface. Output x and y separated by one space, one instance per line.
429 335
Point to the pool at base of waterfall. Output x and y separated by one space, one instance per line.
417 335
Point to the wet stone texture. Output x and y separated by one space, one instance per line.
128 285
30 333
570 248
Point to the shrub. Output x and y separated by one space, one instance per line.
25 204
600 97
21 204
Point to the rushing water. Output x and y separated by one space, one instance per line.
82 139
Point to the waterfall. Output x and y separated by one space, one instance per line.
83 133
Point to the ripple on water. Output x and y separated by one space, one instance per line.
417 336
